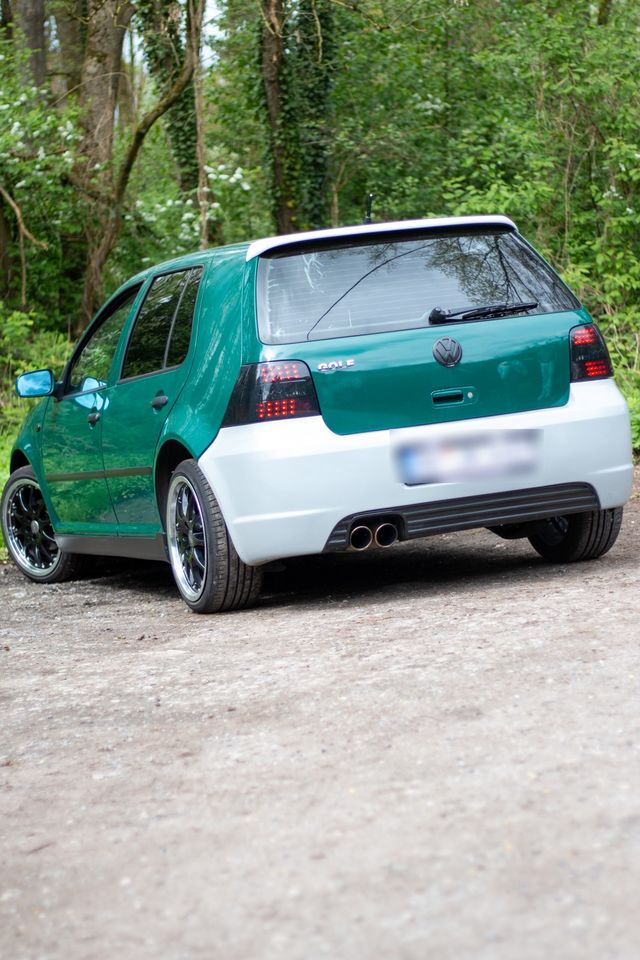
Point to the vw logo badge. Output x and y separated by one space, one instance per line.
447 351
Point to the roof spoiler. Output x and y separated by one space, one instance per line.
259 247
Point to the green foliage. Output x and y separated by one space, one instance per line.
37 151
24 346
437 106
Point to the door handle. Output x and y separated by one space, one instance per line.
93 417
159 401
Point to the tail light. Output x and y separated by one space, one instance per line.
265 392
590 358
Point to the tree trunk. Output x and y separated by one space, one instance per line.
314 64
5 255
29 16
69 27
285 201
6 18
103 238
164 52
203 180
107 22
106 25
604 12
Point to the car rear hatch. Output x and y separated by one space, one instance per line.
431 326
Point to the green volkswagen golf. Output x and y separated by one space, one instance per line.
337 390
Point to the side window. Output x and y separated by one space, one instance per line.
90 368
147 346
181 332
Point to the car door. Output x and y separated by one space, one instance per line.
153 372
72 427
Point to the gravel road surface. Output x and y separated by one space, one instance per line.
427 752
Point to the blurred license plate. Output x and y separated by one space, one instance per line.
476 456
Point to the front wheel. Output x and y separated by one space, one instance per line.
208 572
28 532
578 536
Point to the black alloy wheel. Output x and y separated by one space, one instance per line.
28 531
208 572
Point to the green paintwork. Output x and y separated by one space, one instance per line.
130 433
217 351
509 365
89 493
508 368
71 445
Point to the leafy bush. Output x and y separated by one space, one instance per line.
22 348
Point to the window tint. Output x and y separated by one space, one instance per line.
146 350
181 333
394 284
91 367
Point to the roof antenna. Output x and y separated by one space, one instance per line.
367 216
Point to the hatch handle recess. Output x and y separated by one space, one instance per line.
447 396
451 397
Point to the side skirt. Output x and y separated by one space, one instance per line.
137 548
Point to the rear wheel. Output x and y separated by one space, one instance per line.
208 572
578 536
28 532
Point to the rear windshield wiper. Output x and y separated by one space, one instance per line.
438 315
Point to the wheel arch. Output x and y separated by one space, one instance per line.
18 459
171 453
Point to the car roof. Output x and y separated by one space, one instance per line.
259 247
250 250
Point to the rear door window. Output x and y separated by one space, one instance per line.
162 330
350 289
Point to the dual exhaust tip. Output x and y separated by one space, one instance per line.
363 536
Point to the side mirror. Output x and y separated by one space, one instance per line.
38 383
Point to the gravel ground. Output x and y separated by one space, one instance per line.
431 751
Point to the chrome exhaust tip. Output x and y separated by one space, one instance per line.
361 538
386 534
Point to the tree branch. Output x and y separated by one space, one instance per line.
22 233
161 107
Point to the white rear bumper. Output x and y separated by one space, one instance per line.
282 487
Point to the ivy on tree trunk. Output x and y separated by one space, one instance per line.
165 45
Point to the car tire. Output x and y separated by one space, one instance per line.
578 536
208 572
28 532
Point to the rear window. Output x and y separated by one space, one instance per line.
350 289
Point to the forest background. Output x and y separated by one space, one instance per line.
132 131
